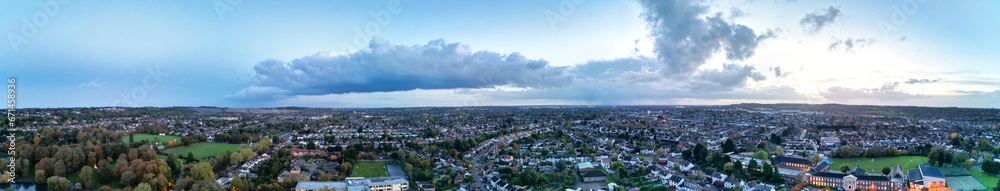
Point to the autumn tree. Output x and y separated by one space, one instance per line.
262 146
58 183
143 187
202 171
40 176
86 176
129 178
105 173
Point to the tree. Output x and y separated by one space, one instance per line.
311 145
143 187
239 184
891 152
686 154
815 159
961 157
202 171
190 156
874 151
617 165
728 146
86 176
753 168
129 178
60 168
408 167
728 167
105 173
346 167
40 176
172 163
845 168
968 164
262 146
775 139
767 173
505 170
236 157
886 171
58 183
761 155
991 166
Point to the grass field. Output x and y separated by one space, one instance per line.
370 169
206 149
959 183
874 166
987 179
148 137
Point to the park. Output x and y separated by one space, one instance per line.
152 138
206 150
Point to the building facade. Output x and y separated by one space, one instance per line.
397 183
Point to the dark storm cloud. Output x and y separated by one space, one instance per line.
849 44
685 38
385 67
815 21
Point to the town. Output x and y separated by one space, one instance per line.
745 147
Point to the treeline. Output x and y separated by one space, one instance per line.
850 151
51 155
714 160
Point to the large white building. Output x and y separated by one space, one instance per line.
397 183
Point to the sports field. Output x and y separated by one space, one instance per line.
150 138
370 169
874 165
206 149
959 183
989 180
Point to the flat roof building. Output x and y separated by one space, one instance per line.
397 183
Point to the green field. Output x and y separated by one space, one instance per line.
370 169
874 166
206 149
148 137
987 179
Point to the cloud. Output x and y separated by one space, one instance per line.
628 80
888 92
850 45
684 39
820 18
386 67
736 13
731 76
778 72
93 84
920 81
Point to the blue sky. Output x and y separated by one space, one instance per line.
461 53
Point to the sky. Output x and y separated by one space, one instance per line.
402 53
